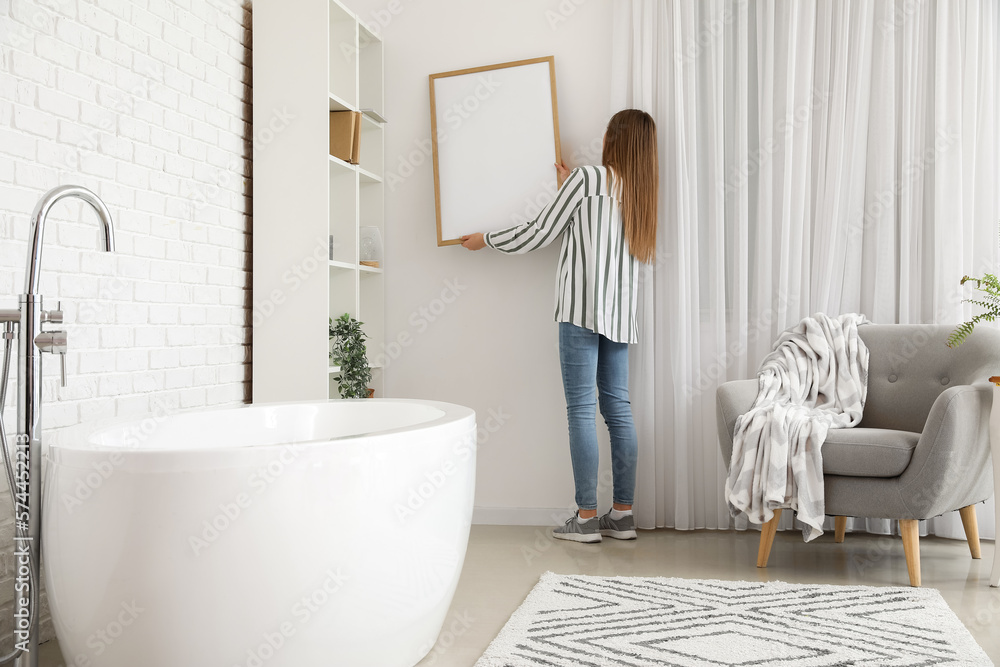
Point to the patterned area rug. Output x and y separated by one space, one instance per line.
580 621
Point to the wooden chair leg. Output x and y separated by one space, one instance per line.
971 529
840 528
767 532
910 528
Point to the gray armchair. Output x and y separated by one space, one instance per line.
923 445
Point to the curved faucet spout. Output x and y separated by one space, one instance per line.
41 213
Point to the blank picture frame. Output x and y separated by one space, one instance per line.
495 137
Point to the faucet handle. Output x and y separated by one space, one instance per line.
51 341
55 316
56 343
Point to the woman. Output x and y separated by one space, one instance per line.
607 219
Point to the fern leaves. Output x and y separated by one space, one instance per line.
988 299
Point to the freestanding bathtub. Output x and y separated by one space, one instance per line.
278 535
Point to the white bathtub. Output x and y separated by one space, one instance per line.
284 535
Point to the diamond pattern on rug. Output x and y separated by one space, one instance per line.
582 621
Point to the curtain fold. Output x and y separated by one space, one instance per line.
834 156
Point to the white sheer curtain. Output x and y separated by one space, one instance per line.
835 156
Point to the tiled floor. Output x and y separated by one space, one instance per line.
504 562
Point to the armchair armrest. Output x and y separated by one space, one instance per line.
732 399
950 467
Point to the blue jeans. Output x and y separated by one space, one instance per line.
586 356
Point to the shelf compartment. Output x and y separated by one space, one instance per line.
344 215
372 310
369 69
343 56
343 294
372 135
372 206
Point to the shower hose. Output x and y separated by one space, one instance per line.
9 467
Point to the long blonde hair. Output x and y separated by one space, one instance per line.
630 151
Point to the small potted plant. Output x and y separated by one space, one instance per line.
349 353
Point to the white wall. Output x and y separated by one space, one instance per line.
477 328
144 102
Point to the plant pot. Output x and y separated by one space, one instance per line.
371 393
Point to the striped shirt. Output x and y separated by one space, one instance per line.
597 278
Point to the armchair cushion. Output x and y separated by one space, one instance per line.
868 452
849 452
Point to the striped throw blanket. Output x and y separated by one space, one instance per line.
815 379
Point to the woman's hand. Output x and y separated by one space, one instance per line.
562 171
473 241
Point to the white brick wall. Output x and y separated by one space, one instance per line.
146 102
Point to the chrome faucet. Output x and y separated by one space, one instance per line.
24 473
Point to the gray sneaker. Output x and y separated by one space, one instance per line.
578 531
622 529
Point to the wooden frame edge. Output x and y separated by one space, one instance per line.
555 115
434 160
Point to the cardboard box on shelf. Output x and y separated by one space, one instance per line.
345 135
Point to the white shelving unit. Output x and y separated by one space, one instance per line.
311 57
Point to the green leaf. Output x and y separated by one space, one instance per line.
989 300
